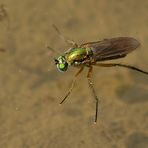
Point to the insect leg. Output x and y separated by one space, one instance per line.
121 65
90 83
53 50
70 42
72 85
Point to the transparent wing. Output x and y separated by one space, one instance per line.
113 48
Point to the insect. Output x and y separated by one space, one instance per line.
91 54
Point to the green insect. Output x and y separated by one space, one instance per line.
91 54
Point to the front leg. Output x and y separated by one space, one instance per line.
70 42
72 85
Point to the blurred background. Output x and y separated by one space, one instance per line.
31 87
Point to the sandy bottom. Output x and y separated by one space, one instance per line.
31 87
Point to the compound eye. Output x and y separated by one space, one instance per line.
62 66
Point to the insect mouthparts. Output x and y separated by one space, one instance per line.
56 61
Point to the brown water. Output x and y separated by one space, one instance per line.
31 87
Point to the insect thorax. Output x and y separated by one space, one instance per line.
76 56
